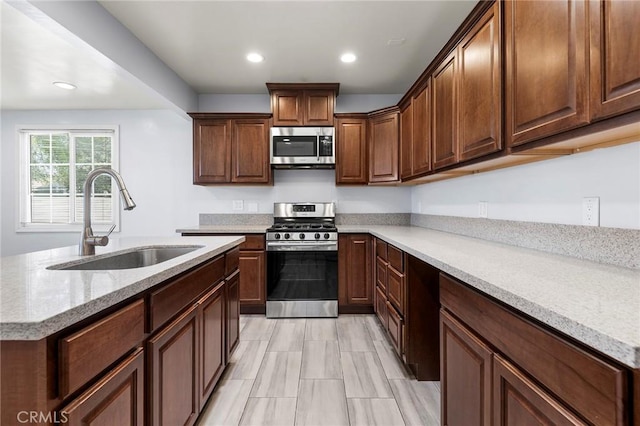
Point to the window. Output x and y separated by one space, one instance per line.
54 166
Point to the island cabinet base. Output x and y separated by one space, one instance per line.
137 363
501 368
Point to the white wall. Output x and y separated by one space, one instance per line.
156 165
550 191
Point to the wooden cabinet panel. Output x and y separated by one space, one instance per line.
86 353
354 270
166 302
381 308
396 258
465 368
395 328
318 107
351 151
614 57
233 312
211 318
591 386
173 372
395 289
252 278
480 88
253 242
381 274
381 249
231 260
286 107
517 401
211 151
546 68
421 153
406 142
445 147
116 399
250 151
383 147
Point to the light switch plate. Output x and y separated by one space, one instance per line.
238 205
591 211
483 209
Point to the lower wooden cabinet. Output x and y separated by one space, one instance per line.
355 285
381 308
117 399
395 328
252 281
465 373
233 313
173 372
211 328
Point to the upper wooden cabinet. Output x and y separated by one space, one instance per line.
406 141
303 104
445 147
383 146
547 81
415 135
231 148
351 149
480 88
614 57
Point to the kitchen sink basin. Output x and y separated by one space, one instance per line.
136 258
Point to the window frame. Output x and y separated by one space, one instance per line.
22 204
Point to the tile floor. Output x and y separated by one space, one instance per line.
334 371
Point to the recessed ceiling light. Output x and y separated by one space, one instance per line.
255 57
348 57
64 85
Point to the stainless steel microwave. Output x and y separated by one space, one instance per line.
303 147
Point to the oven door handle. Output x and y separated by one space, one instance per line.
288 246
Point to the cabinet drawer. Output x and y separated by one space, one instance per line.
86 353
253 242
381 274
395 289
395 258
171 299
381 307
381 249
602 386
231 260
395 328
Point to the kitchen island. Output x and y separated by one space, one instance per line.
85 344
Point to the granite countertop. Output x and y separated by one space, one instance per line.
224 229
594 303
36 302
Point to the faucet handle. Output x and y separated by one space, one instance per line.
111 230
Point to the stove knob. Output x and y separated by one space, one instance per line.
277 236
326 236
302 236
286 236
317 236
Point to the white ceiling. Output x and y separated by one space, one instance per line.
205 44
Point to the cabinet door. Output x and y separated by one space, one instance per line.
395 292
395 328
211 151
465 368
406 142
445 147
354 269
480 87
517 401
381 274
252 278
421 156
233 312
286 106
116 399
250 151
381 308
547 84
318 107
211 325
383 148
351 151
173 372
614 57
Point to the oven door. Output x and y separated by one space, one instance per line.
302 283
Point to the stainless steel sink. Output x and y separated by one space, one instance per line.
137 258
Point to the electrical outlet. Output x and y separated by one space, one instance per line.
591 211
252 207
238 205
483 209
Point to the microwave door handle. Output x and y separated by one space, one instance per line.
317 148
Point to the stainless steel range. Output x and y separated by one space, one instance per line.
302 261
